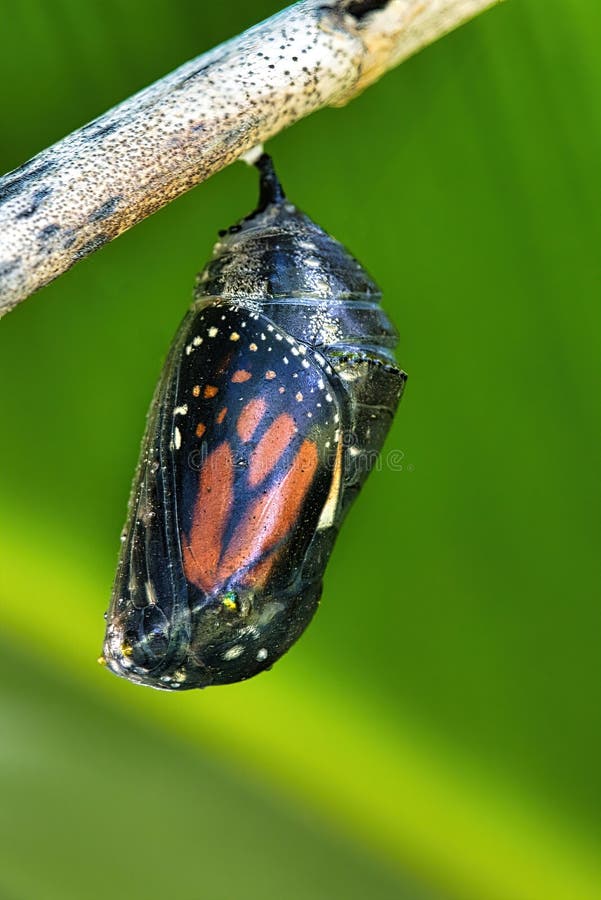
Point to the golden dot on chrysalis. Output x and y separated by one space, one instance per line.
240 376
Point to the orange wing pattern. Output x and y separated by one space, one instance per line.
256 423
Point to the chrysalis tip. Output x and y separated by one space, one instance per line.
270 189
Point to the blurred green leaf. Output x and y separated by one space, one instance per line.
408 797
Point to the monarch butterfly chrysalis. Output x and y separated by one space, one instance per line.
275 399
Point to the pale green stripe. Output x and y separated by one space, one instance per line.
405 795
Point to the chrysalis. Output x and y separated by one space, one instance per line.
275 399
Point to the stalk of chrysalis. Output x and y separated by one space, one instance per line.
275 399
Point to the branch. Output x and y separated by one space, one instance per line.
99 181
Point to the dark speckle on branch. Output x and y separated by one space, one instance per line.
8 267
48 231
92 245
105 210
361 8
18 181
99 131
37 199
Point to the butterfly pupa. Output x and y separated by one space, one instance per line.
276 397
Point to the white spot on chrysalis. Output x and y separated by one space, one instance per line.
328 513
177 438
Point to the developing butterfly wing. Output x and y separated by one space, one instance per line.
252 444
255 465
148 622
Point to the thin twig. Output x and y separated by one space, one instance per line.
99 181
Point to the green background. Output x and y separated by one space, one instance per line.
437 731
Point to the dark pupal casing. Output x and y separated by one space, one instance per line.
276 397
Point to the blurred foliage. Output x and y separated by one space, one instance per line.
437 730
